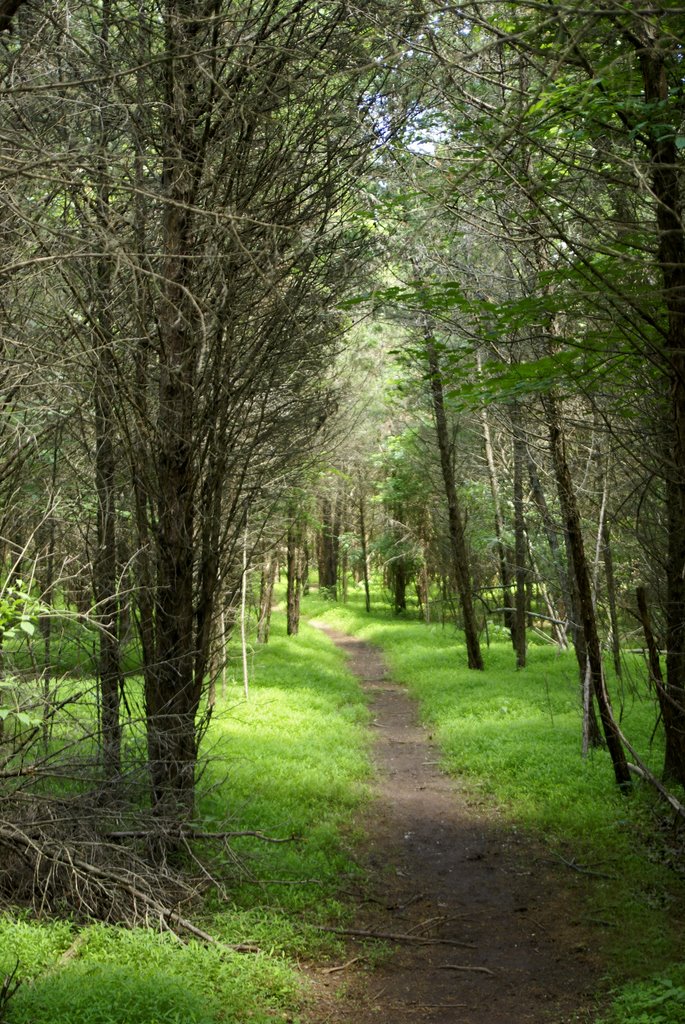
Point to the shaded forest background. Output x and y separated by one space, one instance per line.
347 294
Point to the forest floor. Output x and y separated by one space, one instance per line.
497 929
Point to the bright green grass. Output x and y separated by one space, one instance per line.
516 737
291 761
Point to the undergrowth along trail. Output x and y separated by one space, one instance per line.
515 737
291 762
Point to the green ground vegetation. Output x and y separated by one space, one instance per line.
516 738
290 762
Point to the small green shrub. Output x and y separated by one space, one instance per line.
659 1001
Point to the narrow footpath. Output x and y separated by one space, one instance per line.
495 928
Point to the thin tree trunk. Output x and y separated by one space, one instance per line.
669 710
611 598
45 621
266 590
505 576
305 566
571 514
520 545
365 556
559 559
294 578
458 548
243 617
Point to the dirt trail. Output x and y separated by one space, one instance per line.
515 949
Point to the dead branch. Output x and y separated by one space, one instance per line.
127 889
393 937
464 967
9 987
342 967
191 833
581 869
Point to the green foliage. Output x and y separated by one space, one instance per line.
658 1001
290 762
18 611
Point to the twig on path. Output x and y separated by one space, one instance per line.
464 967
342 967
393 937
434 1006
412 899
425 924
583 870
440 919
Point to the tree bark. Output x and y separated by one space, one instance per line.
520 545
294 580
266 590
104 398
328 549
458 548
611 598
666 170
173 691
571 514
365 555
505 576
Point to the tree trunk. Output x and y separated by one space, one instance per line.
294 576
399 586
504 573
559 558
266 590
365 556
665 706
328 550
611 598
104 397
520 545
666 168
173 691
458 548
571 514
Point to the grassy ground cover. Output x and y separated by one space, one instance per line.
291 761
516 736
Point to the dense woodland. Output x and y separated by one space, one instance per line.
335 295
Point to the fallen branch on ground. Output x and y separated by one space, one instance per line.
196 834
583 870
342 967
394 937
464 967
